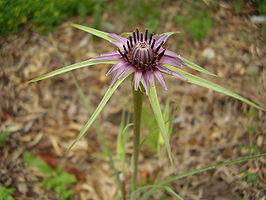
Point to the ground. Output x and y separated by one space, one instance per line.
209 127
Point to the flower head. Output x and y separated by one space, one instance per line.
143 55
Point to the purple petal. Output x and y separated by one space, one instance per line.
118 44
176 60
121 40
127 71
170 53
118 37
145 83
160 40
150 77
159 77
110 53
115 67
157 37
137 78
116 76
110 57
166 60
168 71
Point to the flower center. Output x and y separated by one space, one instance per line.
142 55
140 51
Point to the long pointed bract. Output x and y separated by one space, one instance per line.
210 85
195 66
95 32
72 67
160 120
99 108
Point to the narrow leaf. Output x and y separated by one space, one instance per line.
196 171
95 32
72 67
210 85
160 120
99 108
196 67
153 189
171 33
171 191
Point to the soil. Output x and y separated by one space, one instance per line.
209 127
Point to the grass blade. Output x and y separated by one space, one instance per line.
160 120
156 187
95 32
99 108
71 67
171 191
196 67
196 171
210 85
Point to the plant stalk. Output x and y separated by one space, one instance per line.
138 98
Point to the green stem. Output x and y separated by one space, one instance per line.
137 97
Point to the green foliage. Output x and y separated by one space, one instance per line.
238 4
261 6
138 11
42 15
59 184
197 22
56 180
239 198
3 136
250 177
6 193
33 161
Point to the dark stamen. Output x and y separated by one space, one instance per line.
159 46
127 58
128 45
137 32
152 45
146 35
150 38
161 54
134 36
141 37
121 53
125 48
130 39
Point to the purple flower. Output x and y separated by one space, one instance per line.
143 55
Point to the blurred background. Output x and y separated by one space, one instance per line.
39 121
